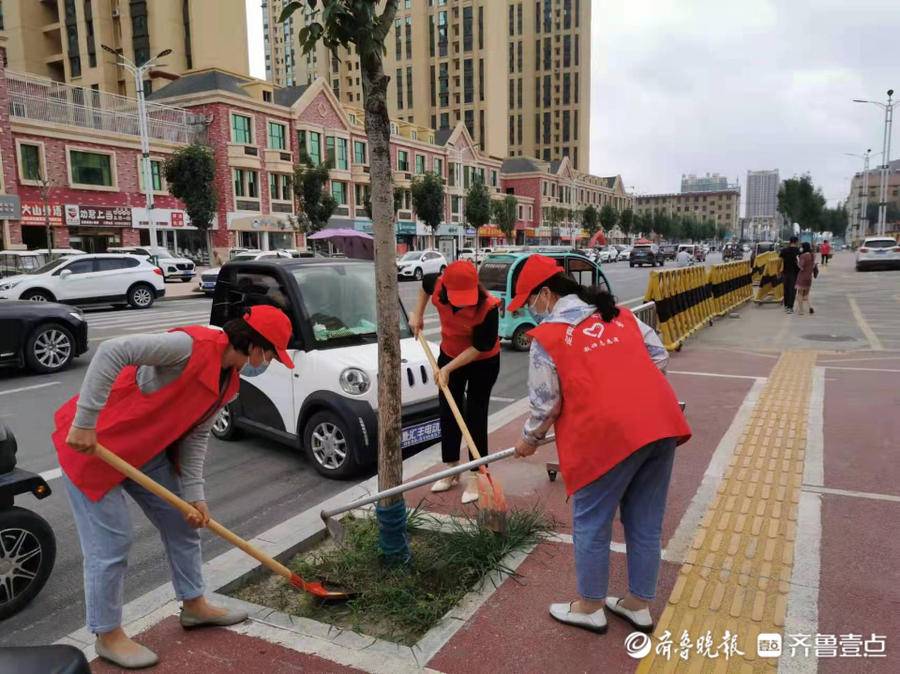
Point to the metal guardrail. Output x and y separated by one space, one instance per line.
646 313
39 99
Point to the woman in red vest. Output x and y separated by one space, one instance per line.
152 399
469 358
595 373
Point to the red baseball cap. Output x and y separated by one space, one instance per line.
461 281
273 324
536 270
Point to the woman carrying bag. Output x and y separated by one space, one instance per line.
469 360
595 373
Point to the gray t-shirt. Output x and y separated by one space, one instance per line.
161 359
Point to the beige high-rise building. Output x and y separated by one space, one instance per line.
517 73
61 39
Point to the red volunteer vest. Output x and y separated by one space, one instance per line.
457 326
138 426
614 398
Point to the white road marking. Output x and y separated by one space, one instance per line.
499 399
853 494
29 388
803 598
51 474
717 374
633 300
859 369
874 343
858 360
150 318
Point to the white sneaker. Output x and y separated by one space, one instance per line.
445 484
595 622
470 494
640 620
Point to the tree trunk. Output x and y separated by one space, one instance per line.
390 459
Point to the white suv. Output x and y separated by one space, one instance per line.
209 277
173 267
416 263
878 251
89 279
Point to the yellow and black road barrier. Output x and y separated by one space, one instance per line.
689 298
770 288
759 264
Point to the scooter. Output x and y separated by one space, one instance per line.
27 543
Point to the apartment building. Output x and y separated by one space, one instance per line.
516 73
61 39
711 182
721 206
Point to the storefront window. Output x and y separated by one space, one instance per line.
91 168
280 240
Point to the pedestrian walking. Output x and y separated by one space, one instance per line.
825 249
596 374
151 400
808 269
469 359
789 271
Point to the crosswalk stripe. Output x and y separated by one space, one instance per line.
120 315
111 325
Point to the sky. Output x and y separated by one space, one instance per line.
697 86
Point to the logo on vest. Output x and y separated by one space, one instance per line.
595 331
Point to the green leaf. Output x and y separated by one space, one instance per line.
289 10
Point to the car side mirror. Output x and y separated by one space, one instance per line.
65 273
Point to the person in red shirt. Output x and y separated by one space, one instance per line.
469 360
595 375
825 250
151 400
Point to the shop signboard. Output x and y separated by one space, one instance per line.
97 216
167 218
33 213
406 227
10 207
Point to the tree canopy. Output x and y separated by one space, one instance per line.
190 173
428 199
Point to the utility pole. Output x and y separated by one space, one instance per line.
886 158
138 71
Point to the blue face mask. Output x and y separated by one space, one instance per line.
539 316
254 370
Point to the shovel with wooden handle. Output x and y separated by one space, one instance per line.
314 588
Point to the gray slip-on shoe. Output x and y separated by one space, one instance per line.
143 658
639 620
595 622
231 617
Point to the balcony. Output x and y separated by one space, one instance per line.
278 160
243 156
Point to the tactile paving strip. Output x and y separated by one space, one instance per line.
736 575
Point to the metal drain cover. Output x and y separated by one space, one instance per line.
829 338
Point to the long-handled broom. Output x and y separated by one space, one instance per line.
491 500
312 587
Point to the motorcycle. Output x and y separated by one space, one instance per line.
27 543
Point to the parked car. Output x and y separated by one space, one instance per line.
173 267
624 253
328 404
45 337
668 251
15 262
208 278
878 252
27 543
606 254
499 273
696 251
416 263
104 278
645 253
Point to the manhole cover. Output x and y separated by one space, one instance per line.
829 338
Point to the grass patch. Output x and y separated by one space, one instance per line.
400 603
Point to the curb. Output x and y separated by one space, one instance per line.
191 296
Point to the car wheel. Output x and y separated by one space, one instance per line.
520 339
49 349
37 296
443 267
141 296
223 425
631 264
27 555
418 274
329 445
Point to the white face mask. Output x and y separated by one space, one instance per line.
250 370
539 315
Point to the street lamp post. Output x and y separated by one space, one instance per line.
886 158
44 190
138 71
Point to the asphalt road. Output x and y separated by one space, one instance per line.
252 485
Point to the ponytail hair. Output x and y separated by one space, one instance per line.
562 284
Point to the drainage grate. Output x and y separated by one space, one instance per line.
829 338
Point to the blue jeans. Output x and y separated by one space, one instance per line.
104 528
638 486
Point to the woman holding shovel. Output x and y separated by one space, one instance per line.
151 399
469 361
595 374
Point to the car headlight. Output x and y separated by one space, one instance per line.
9 285
77 315
171 269
354 381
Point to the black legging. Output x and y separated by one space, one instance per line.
470 387
790 290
